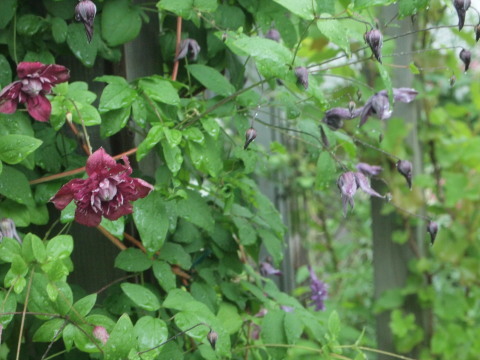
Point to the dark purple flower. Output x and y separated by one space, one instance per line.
301 73
374 39
477 32
273 34
364 185
379 104
267 269
432 229
465 56
107 191
35 81
9 230
188 47
335 116
404 167
250 135
319 291
212 337
85 12
461 6
348 183
369 170
100 333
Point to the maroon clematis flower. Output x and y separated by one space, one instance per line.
107 191
35 81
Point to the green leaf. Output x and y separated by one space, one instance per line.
363 4
121 22
306 9
116 96
15 148
8 303
413 68
164 275
386 81
159 89
229 317
326 171
154 135
77 42
334 324
273 244
212 79
29 24
273 332
411 7
33 248
133 260
14 185
335 32
176 254
150 332
173 156
59 30
293 327
141 296
246 232
82 307
49 331
152 220
195 210
113 121
121 340
60 247
7 10
5 71
272 58
181 8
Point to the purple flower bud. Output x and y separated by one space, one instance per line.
100 333
432 229
348 187
85 12
461 6
250 135
273 34
404 167
369 170
465 56
188 47
8 229
301 73
374 39
335 116
212 337
267 269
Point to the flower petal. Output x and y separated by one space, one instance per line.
142 188
9 97
87 217
39 107
114 214
364 184
99 161
66 193
55 74
24 69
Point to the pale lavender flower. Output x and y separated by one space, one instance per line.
374 39
335 116
364 185
348 183
8 229
319 291
301 73
404 167
267 269
369 170
188 47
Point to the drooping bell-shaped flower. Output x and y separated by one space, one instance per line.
369 170
348 187
35 81
466 57
85 12
404 167
301 73
477 32
335 116
432 229
188 47
379 104
212 337
374 39
250 135
461 6
108 191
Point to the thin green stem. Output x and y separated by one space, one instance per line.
15 38
302 37
290 346
22 323
376 351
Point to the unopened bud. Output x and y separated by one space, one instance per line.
351 106
250 135
432 229
85 12
461 6
212 337
8 229
374 39
301 73
273 34
453 79
69 117
477 32
101 334
465 56
404 167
